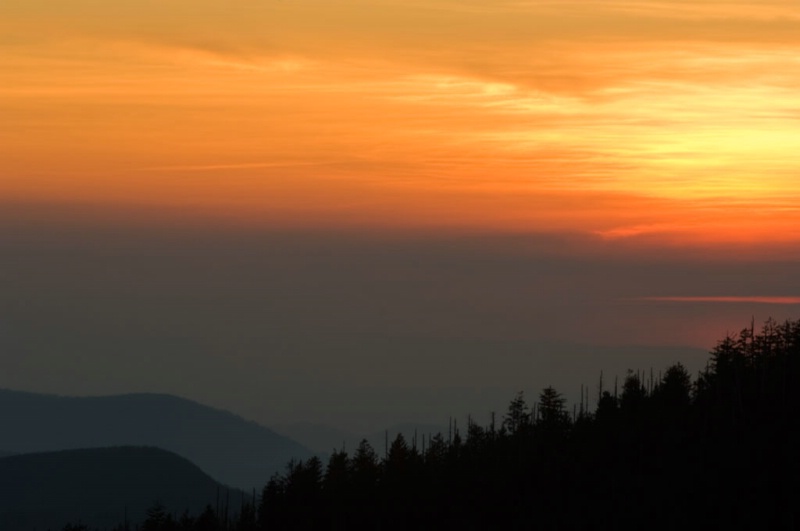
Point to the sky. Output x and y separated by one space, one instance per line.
357 212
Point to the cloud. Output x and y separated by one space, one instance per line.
757 299
615 120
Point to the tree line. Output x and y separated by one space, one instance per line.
659 451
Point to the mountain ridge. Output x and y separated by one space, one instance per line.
101 487
233 450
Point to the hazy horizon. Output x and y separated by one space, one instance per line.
368 212
356 331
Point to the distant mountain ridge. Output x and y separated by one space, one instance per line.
101 487
231 449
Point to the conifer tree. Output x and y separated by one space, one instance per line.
517 418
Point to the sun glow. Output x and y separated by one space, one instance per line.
607 120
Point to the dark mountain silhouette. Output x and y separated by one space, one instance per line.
232 450
101 487
659 451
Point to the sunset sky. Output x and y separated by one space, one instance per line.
616 173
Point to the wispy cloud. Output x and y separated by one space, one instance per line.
234 166
754 299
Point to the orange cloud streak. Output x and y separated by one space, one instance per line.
730 299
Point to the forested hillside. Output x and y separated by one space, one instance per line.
660 451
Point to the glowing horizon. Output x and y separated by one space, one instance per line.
666 124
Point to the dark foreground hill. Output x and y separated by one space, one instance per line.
232 450
101 487
659 452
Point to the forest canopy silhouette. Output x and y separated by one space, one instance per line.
662 451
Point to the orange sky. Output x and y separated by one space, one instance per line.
671 122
